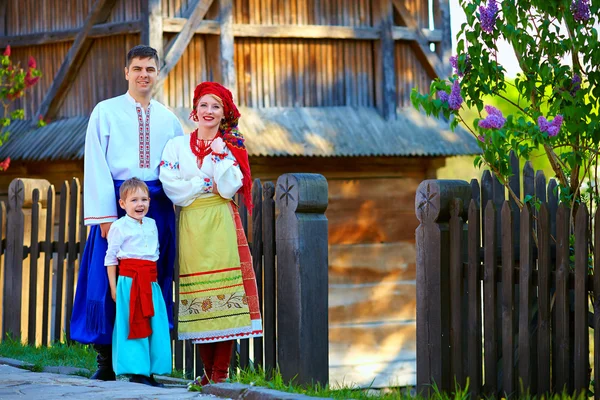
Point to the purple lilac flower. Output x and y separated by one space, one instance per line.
575 84
481 138
552 127
454 64
455 100
443 96
487 16
580 10
494 120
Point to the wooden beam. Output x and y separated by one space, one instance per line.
152 25
174 25
72 63
441 20
208 27
67 35
404 33
228 76
431 62
385 57
306 31
204 27
177 47
3 8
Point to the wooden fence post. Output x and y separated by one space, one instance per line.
13 260
432 206
302 305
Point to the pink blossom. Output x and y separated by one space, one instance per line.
7 51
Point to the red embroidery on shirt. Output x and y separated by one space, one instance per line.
144 137
108 216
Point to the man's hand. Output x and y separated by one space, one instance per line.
215 189
104 227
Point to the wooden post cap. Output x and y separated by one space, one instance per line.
301 193
435 197
23 188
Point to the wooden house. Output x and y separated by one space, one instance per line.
323 86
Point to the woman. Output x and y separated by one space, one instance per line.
201 172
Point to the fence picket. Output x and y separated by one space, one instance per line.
526 374
514 182
72 265
487 194
474 302
489 300
508 287
269 281
188 349
257 259
60 261
552 194
544 317
48 253
13 274
475 192
34 254
563 343
456 291
581 345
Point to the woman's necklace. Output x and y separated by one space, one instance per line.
200 147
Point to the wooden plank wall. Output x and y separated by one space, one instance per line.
23 16
271 72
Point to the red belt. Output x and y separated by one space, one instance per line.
141 308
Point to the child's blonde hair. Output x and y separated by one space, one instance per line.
131 185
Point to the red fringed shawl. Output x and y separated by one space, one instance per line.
229 132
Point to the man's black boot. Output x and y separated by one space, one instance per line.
104 359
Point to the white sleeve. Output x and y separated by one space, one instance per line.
182 192
177 128
115 240
99 203
228 175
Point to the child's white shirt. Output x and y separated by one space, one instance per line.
127 238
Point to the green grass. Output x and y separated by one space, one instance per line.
83 356
276 382
59 354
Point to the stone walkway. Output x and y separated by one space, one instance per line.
16 383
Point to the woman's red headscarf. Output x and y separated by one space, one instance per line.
229 132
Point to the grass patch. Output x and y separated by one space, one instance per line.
259 378
59 354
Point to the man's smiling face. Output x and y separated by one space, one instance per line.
141 75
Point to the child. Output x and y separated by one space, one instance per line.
141 340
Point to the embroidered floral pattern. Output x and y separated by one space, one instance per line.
168 164
220 302
206 305
207 186
144 137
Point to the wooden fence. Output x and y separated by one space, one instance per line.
43 238
503 295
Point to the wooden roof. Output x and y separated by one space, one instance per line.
301 131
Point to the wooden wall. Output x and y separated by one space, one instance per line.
271 71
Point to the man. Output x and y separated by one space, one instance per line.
125 138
